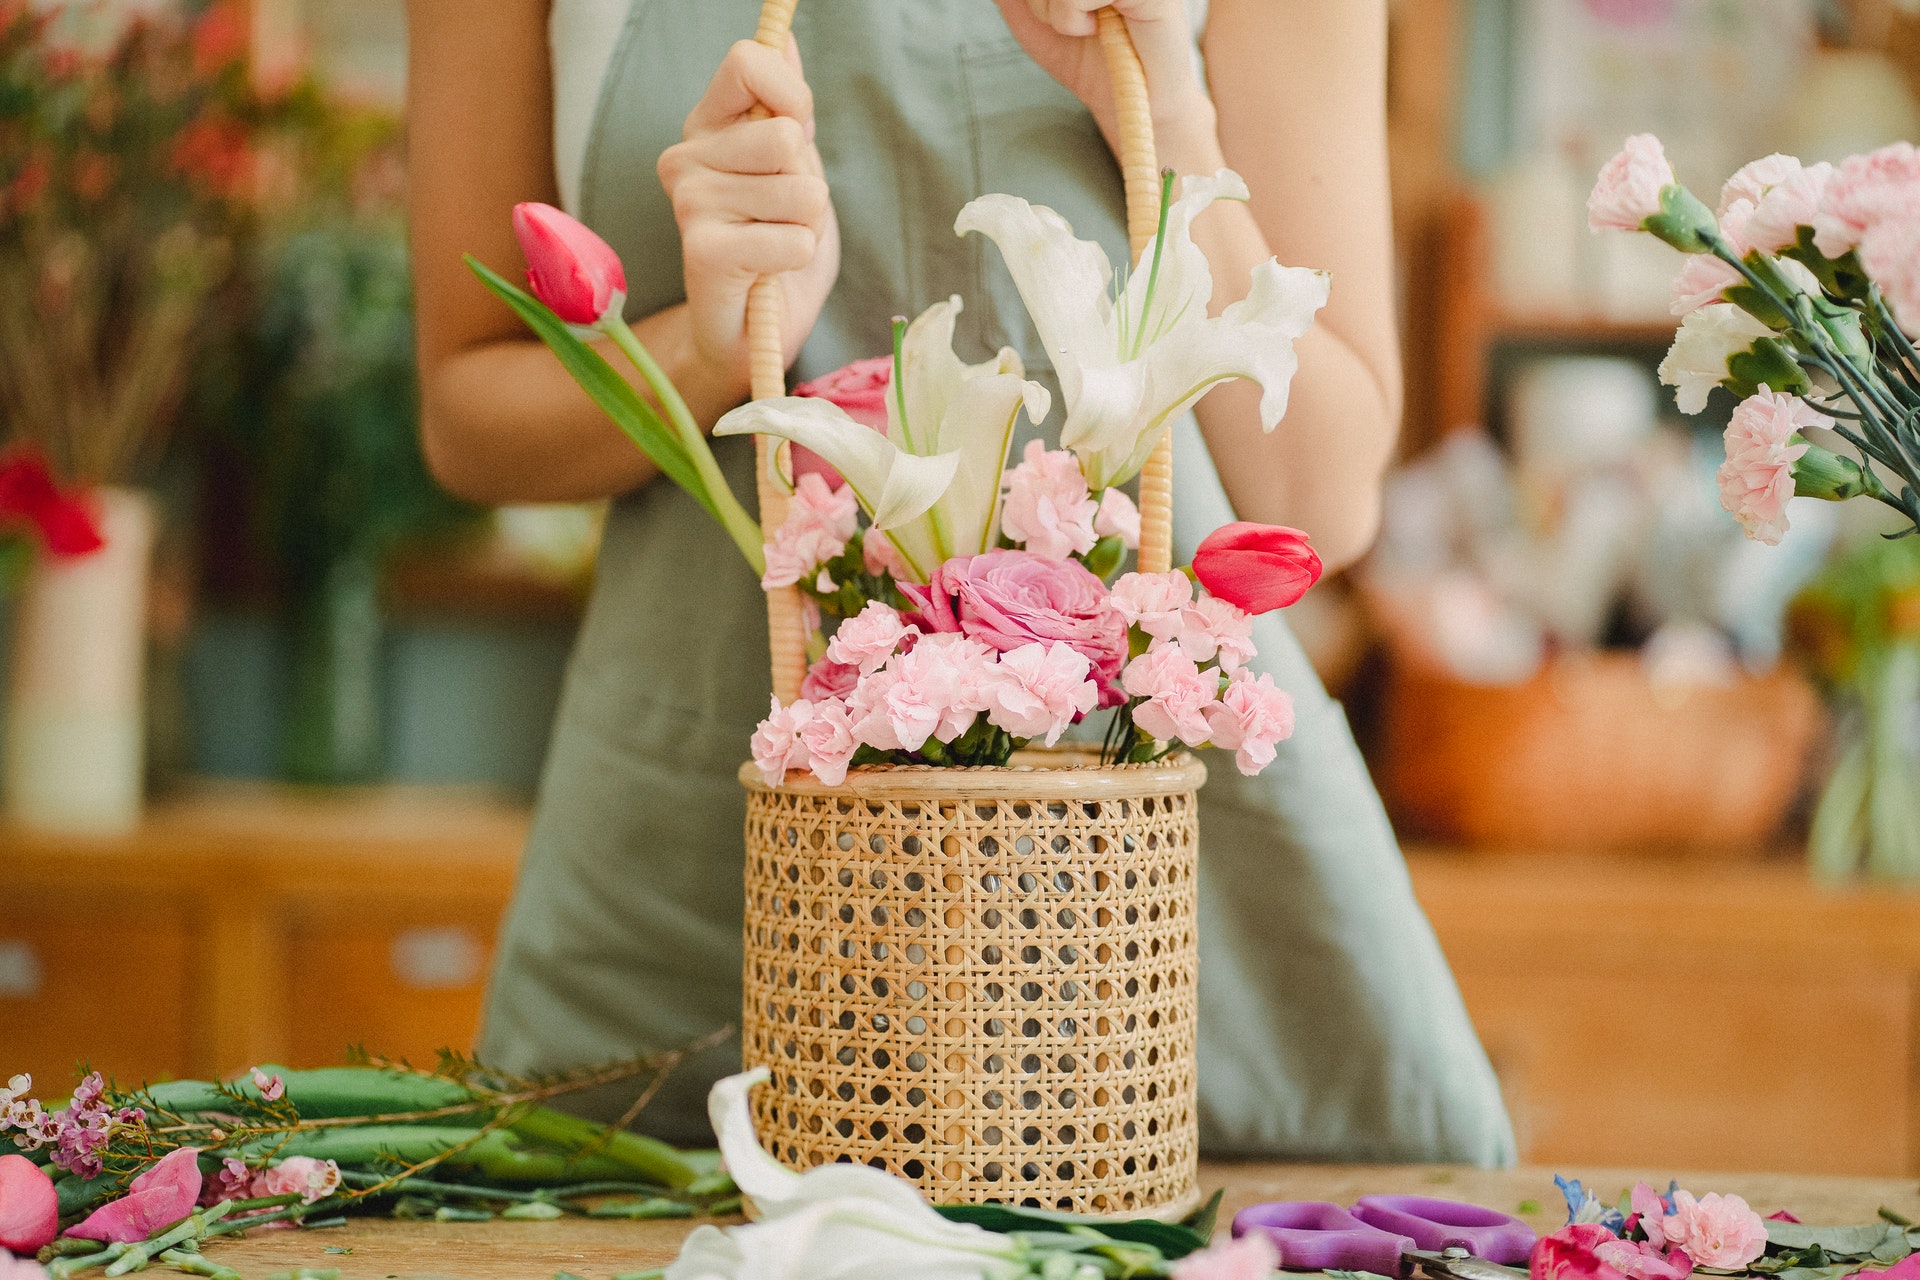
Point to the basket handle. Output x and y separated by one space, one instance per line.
1139 167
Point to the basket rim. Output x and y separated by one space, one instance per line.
1031 776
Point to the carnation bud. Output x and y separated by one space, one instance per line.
1822 473
1683 221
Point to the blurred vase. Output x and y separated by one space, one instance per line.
75 758
333 722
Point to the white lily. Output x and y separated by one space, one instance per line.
833 1222
1130 364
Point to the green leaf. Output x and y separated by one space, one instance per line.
1856 1242
1172 1239
1201 1220
609 390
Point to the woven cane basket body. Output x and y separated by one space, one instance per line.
981 979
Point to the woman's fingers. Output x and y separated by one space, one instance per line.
797 198
773 145
744 251
752 74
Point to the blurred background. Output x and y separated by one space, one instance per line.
268 755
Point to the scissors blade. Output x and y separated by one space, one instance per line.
1457 1264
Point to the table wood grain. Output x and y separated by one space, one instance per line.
600 1248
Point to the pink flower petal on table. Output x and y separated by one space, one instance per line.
29 1209
161 1196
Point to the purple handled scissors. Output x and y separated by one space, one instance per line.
1388 1235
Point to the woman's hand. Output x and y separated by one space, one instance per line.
751 199
1060 36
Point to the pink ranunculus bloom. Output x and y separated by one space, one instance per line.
1259 567
776 745
12 1268
1040 689
1251 1257
1177 695
29 1209
1757 478
866 640
569 268
1118 518
820 519
1154 602
1792 203
1006 599
1702 280
860 389
310 1179
878 555
1755 179
1715 1230
829 740
1865 190
1251 716
1212 628
161 1196
829 679
1047 505
1629 187
1589 1251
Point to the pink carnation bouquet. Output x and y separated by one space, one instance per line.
1800 295
961 608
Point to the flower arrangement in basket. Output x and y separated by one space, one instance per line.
968 966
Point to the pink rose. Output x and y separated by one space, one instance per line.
1047 505
310 1179
1259 567
1118 518
776 745
1251 1257
1211 628
828 738
1006 599
158 1198
1792 203
29 1209
1755 179
1866 190
829 679
820 519
1250 717
1715 1230
1757 478
1588 1251
1041 689
1153 602
860 389
1628 190
572 270
866 640
1177 695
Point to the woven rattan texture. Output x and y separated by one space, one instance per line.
992 997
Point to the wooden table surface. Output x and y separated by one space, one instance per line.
597 1249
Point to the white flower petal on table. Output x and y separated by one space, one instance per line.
893 486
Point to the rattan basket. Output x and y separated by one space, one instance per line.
981 979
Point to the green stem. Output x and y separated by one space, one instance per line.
429 1187
1153 272
740 526
194 1264
648 1157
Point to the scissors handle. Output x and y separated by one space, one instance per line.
1313 1235
1438 1225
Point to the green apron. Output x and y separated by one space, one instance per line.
1330 1027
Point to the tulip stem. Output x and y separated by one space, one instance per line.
741 527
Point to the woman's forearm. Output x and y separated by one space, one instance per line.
503 422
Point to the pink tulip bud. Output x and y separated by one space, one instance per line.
158 1198
29 1210
569 268
1259 567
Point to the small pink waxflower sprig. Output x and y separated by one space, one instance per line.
1800 294
80 1133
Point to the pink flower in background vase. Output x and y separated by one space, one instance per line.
1118 518
1628 190
829 679
1756 480
1212 628
776 745
860 389
1865 191
1790 204
830 742
1177 695
1153 602
1258 567
1251 1257
1040 689
1250 718
1047 504
161 1196
29 1208
310 1179
1006 599
819 521
866 640
572 270
1715 1230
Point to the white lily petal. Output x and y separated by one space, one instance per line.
707 1254
892 486
1062 280
979 424
932 374
1182 282
1106 404
755 1172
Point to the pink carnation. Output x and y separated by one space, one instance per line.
1040 689
776 745
878 555
1755 179
818 524
1047 505
1212 628
1702 280
1250 1257
890 713
829 679
1890 254
310 1179
866 640
1865 191
1757 478
1628 190
1790 204
1118 518
829 741
1177 695
1715 1230
1250 717
952 673
1154 602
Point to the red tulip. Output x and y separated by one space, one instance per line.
569 268
1259 567
29 1209
65 521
